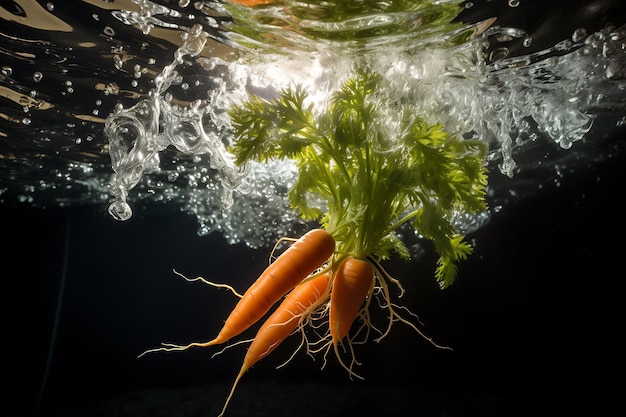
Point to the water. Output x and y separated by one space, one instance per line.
543 85
165 73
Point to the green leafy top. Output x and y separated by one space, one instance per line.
363 176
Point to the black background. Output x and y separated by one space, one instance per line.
530 318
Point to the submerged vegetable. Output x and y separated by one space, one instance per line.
303 258
368 165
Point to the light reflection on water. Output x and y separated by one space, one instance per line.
532 85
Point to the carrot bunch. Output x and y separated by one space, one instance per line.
308 275
367 166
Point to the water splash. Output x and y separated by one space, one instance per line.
139 133
530 87
464 77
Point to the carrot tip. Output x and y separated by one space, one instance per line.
242 371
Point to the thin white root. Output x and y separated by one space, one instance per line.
241 342
393 314
351 373
232 391
213 284
170 347
278 242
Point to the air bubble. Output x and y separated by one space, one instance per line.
615 71
50 6
109 31
527 41
120 210
498 54
514 3
579 35
37 76
118 62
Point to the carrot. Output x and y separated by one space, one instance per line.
252 3
352 282
301 300
351 285
302 258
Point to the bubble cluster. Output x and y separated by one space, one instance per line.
163 98
476 88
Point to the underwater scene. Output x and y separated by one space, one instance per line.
311 208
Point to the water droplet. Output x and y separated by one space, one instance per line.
527 41
120 210
618 35
109 31
579 35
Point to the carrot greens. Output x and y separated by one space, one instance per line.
367 165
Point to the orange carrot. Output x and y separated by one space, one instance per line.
301 259
300 301
252 3
352 282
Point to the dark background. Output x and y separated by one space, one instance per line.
532 317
